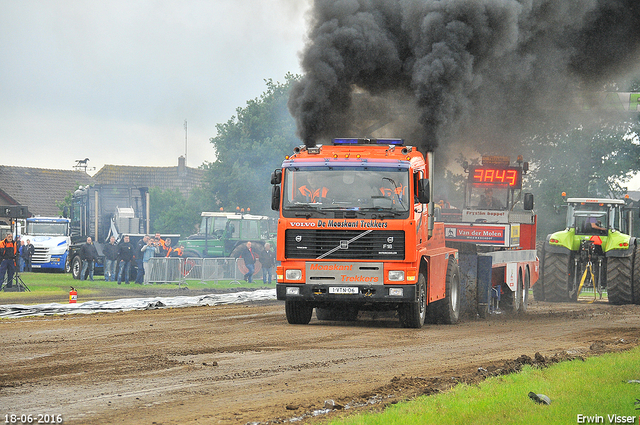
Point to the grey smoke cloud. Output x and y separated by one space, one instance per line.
481 67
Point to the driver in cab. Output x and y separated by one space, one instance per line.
488 202
313 191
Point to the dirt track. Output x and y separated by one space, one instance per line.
240 364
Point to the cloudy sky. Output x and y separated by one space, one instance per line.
114 81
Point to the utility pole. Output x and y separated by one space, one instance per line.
185 142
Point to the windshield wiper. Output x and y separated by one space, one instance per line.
309 209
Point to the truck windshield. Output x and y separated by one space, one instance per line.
346 188
47 229
488 197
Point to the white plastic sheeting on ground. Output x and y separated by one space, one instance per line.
8 311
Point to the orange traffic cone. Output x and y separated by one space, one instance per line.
73 296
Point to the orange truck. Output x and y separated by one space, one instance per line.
356 232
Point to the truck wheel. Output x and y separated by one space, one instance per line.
556 276
635 285
524 299
412 315
76 267
348 314
619 280
298 312
447 310
511 299
538 287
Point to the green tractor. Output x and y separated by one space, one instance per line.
221 234
595 250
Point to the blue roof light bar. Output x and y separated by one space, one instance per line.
349 141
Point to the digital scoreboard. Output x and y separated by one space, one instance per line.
510 177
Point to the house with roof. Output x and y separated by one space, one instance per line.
181 178
39 189
42 189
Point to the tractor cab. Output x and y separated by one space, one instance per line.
598 216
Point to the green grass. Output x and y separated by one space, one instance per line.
54 287
596 386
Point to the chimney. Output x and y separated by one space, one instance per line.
182 167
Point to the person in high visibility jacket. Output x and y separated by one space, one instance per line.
8 255
175 252
312 192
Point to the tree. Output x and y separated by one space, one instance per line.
249 147
170 212
590 160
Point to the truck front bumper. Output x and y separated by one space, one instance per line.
320 294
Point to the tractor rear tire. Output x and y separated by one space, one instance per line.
619 275
538 287
635 284
447 310
557 276
298 312
412 315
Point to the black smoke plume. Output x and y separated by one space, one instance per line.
452 68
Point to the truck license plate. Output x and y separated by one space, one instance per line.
343 289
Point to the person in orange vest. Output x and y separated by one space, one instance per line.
175 252
8 254
313 191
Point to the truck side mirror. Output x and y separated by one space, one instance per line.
528 201
276 176
65 212
423 191
275 198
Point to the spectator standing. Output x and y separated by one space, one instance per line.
148 252
249 261
139 259
8 255
29 251
88 255
110 260
268 261
21 253
125 255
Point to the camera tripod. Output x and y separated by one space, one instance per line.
17 284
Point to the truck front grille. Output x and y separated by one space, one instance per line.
345 244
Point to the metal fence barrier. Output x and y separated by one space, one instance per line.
181 270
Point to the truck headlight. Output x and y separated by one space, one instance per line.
396 292
293 290
396 275
293 274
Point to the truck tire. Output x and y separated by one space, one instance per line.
298 312
524 300
556 277
538 287
447 310
76 267
510 300
635 285
412 315
347 314
619 274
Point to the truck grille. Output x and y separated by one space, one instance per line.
40 255
375 245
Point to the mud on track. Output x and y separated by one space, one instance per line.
239 364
